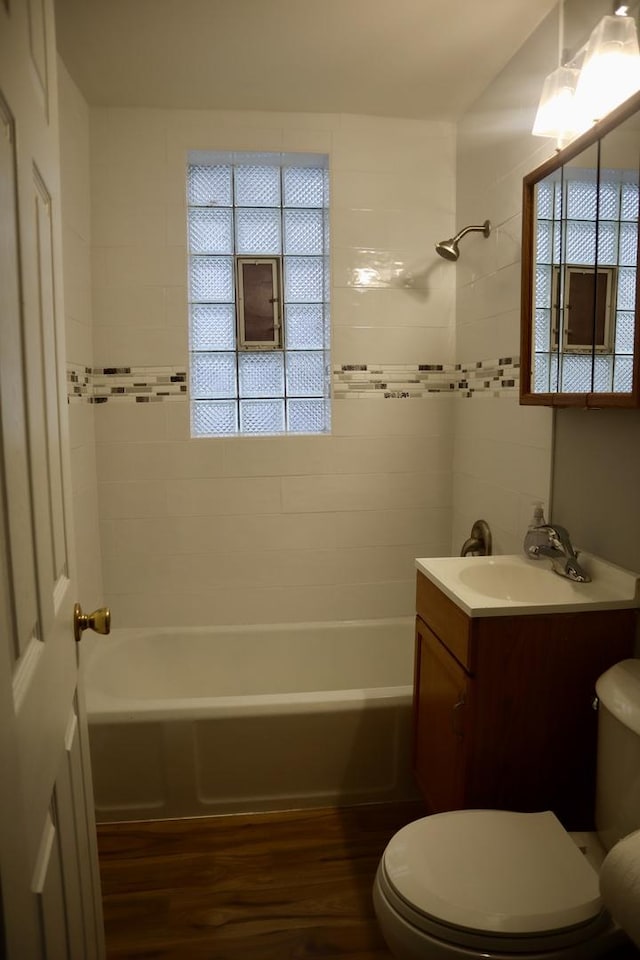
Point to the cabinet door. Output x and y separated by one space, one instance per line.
441 694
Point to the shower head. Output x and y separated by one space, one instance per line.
449 248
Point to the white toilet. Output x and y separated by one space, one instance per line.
492 883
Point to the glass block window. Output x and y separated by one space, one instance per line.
586 245
258 235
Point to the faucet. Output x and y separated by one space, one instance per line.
553 541
479 542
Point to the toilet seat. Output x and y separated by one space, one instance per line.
473 876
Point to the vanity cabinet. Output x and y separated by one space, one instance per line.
503 706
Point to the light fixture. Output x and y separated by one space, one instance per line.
556 115
604 73
611 69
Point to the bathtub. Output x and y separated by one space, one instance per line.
204 721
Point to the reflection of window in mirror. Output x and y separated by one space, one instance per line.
259 323
580 331
588 296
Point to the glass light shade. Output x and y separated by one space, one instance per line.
611 69
556 115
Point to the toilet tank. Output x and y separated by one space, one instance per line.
618 770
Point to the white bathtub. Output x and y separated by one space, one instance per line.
203 721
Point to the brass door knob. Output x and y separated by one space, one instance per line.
99 620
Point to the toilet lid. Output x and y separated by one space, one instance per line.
493 871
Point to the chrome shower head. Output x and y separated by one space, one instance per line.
449 250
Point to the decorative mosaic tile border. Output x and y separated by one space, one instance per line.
136 384
488 377
358 381
409 381
79 383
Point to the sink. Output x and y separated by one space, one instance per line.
509 578
513 584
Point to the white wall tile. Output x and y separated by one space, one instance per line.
428 417
142 498
365 344
208 497
322 507
120 346
133 461
501 464
124 422
198 573
267 604
121 224
123 136
81 424
365 492
386 307
178 421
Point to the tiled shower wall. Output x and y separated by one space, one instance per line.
268 529
502 452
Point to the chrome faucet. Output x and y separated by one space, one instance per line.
553 541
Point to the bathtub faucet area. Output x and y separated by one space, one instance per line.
479 543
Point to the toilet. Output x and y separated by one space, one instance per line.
494 883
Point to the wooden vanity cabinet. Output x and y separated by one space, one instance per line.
503 706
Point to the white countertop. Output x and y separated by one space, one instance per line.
513 585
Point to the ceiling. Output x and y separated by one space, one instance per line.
406 58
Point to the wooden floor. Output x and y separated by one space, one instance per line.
280 886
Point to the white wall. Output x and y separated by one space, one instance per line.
285 528
597 479
502 455
76 226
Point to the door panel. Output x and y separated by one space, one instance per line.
48 858
51 394
48 891
13 415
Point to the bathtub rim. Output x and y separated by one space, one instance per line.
109 710
103 708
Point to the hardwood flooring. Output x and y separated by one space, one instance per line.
278 886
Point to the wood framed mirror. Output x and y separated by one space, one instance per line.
580 324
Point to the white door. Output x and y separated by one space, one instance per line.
49 882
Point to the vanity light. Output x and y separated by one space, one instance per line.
555 116
556 113
611 69
604 73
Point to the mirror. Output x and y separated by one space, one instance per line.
580 334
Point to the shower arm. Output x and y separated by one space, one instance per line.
484 228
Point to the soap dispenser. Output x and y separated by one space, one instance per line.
537 533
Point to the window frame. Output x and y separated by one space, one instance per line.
243 343
300 271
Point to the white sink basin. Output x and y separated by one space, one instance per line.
508 585
509 578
